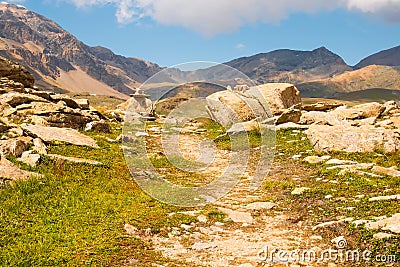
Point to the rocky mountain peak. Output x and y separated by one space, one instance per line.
56 57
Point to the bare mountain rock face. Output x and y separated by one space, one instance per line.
59 61
291 66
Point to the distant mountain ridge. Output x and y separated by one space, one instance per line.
60 60
388 57
292 66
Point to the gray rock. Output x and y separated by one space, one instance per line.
9 171
62 159
237 216
383 198
260 206
29 158
202 246
321 106
14 147
300 190
15 99
352 139
55 135
388 224
39 146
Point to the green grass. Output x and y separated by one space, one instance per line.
313 208
75 214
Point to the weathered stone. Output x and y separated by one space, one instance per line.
389 224
382 236
321 106
384 198
316 159
370 109
300 190
237 216
260 206
390 107
352 139
278 96
138 103
290 125
396 122
9 171
14 147
291 114
387 171
244 127
39 146
6 110
61 159
98 126
54 135
66 99
83 103
340 162
229 107
16 99
30 158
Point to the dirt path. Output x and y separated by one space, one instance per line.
249 228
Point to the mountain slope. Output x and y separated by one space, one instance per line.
59 60
389 57
291 65
369 77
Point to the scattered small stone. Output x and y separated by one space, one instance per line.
328 196
141 134
296 157
237 216
388 224
340 162
300 190
219 224
245 265
386 171
131 230
316 159
260 206
29 158
382 235
202 218
382 198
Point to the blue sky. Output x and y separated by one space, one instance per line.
170 32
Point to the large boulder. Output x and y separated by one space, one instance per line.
353 139
15 72
57 135
264 101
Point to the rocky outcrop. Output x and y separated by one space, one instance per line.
279 100
31 118
362 128
54 135
353 139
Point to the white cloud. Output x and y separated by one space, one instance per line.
240 46
211 17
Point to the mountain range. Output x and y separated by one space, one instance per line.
62 63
